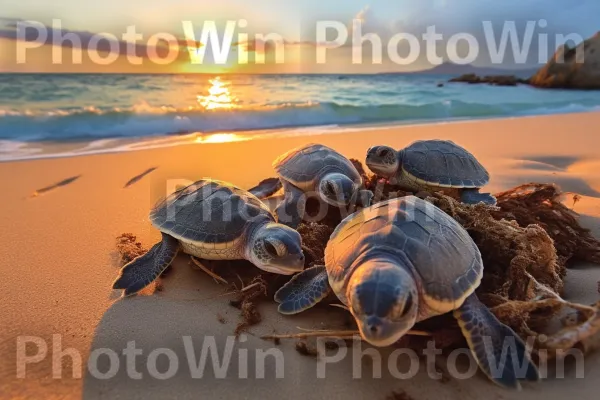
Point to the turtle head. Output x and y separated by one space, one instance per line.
383 299
337 189
383 160
276 248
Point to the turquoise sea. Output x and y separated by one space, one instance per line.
94 113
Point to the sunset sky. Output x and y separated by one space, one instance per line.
293 20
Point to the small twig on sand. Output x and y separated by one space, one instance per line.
240 291
545 289
312 330
336 334
304 335
240 279
209 272
251 286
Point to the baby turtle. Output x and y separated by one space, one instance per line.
432 165
403 261
214 220
314 168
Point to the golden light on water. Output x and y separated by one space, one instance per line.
218 96
220 138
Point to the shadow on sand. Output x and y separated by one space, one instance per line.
139 177
190 317
57 185
551 169
186 349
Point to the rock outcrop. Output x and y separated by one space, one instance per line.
572 68
496 80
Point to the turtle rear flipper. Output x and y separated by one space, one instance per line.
266 188
472 196
142 271
500 353
303 291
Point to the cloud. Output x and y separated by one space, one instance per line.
564 17
72 39
386 19
6 22
461 15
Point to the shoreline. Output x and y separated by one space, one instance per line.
77 148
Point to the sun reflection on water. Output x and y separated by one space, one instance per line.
219 96
221 138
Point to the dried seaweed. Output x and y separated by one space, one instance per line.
540 204
247 304
508 251
305 349
399 395
313 236
129 248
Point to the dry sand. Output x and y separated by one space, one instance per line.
58 263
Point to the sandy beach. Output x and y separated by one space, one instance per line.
60 218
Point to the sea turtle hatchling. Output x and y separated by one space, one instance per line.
402 261
318 169
432 165
214 220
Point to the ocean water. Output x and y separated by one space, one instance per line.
55 115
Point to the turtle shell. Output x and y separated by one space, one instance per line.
445 261
443 163
209 212
304 166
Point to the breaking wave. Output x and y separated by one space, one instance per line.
142 120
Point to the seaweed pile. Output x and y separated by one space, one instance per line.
540 204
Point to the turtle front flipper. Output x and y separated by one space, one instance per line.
303 291
472 196
266 188
500 353
142 271
291 211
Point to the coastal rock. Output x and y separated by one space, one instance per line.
496 80
572 68
467 78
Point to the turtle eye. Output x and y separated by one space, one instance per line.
275 248
271 250
329 187
407 305
384 152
